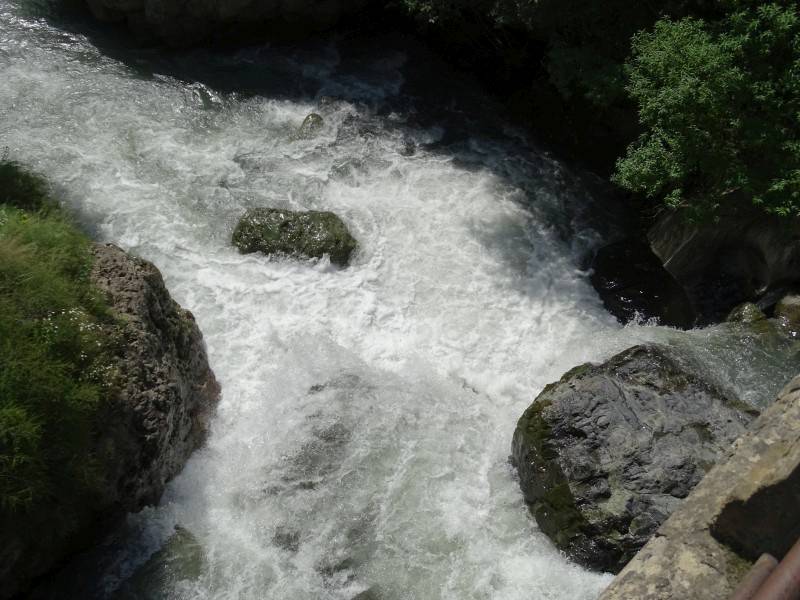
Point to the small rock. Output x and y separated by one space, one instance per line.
599 492
311 126
368 594
746 313
787 312
409 148
310 234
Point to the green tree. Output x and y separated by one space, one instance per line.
719 103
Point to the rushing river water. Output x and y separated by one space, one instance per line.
363 434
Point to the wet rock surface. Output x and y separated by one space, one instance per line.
633 284
310 234
181 558
787 313
746 313
606 454
310 127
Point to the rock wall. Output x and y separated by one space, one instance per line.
167 392
741 257
186 22
745 506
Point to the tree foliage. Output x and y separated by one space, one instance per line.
720 106
715 85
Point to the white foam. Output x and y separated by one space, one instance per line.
463 301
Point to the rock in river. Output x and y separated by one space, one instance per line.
633 283
310 234
607 453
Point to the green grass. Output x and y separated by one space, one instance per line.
55 362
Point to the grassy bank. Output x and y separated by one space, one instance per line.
55 361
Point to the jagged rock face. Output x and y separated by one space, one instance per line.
310 234
167 390
186 22
607 453
743 257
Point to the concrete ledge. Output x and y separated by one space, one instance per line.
747 504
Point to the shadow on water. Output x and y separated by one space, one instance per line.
470 128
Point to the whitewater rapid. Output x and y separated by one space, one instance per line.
363 434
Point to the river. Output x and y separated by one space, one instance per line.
362 438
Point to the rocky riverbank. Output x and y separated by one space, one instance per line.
746 506
112 356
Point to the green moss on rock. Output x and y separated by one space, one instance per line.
310 234
606 453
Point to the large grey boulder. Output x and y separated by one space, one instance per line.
608 452
309 234
187 22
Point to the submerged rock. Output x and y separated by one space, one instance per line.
746 313
310 234
787 312
181 559
368 594
632 283
607 453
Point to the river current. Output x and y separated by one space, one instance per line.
362 438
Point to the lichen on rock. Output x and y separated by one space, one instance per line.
310 234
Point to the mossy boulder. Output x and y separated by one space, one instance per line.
608 452
181 559
746 313
310 234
